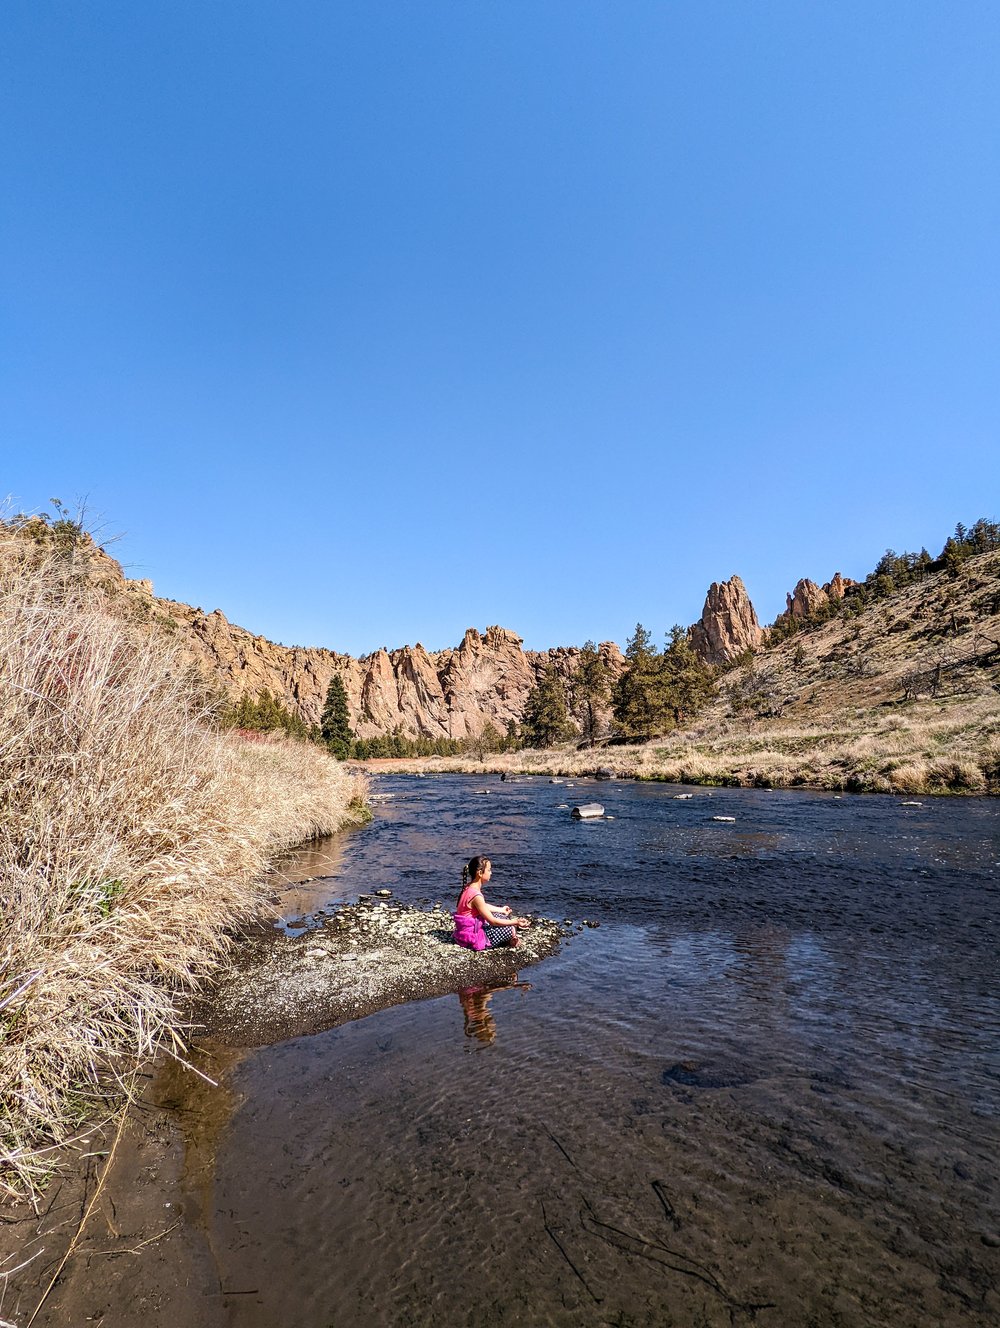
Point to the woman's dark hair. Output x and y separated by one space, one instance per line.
473 867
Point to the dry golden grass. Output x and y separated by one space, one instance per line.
132 837
928 752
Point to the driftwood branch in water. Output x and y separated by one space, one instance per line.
660 1191
562 1150
629 1243
558 1244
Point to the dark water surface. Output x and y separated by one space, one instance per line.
765 1089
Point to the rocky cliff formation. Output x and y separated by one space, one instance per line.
450 693
443 694
728 624
807 596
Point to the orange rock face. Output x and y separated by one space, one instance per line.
728 624
807 596
446 694
451 693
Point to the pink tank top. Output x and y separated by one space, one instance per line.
469 930
467 896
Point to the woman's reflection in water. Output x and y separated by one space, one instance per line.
479 1023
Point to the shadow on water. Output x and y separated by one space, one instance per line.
764 1090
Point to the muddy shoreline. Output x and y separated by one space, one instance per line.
145 1188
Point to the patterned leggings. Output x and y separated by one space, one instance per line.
499 935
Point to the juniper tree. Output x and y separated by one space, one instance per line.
546 718
264 714
335 723
486 741
637 701
686 681
592 685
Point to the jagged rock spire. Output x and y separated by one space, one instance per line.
728 623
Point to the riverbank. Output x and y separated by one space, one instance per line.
147 1207
135 838
946 746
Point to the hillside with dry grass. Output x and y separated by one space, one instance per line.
133 836
903 697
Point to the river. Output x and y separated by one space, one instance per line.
764 1088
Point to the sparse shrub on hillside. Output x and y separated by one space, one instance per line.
783 627
61 532
754 694
747 656
858 664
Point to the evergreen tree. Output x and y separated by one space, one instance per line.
591 685
546 719
637 703
686 680
953 556
264 714
335 723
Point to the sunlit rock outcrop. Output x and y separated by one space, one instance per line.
728 624
808 597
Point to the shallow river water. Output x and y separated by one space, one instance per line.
765 1088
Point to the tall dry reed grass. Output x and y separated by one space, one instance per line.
132 837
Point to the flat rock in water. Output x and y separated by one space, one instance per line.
587 811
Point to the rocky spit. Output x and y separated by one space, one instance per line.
365 957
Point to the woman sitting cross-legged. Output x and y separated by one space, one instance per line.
477 925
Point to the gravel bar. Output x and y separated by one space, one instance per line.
364 958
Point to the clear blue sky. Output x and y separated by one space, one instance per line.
367 322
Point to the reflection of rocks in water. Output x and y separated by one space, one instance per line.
707 1074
